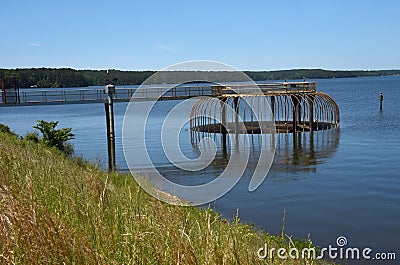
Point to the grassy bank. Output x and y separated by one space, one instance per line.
54 209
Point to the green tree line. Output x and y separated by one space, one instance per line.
67 77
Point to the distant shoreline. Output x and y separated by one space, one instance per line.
67 77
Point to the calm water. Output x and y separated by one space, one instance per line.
340 183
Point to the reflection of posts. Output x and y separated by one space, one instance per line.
380 100
312 151
110 90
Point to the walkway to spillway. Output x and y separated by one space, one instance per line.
37 96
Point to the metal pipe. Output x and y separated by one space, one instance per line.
109 108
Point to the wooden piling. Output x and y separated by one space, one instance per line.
223 123
109 108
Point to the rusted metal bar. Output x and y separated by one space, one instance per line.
290 110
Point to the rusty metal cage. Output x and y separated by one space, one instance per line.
280 107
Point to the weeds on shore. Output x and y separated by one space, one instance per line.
54 209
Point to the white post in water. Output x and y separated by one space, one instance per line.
110 90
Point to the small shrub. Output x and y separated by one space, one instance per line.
33 137
51 137
6 129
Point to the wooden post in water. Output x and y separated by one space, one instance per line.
110 90
380 101
223 124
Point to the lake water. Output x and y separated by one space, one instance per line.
340 183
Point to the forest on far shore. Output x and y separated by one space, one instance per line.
67 77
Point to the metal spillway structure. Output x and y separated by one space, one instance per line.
262 108
236 109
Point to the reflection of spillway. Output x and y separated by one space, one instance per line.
303 151
294 152
291 119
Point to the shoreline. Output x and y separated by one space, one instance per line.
79 213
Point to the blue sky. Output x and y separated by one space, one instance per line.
249 35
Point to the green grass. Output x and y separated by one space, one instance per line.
54 210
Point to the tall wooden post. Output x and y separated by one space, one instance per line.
223 123
109 108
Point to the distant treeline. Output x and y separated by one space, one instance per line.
66 77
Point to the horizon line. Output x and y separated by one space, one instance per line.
149 70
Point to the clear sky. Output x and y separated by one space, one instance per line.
249 35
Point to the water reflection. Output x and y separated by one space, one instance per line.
294 152
302 151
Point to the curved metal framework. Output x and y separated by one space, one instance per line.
279 108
